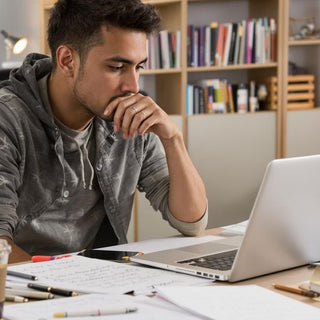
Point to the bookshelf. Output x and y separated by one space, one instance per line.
301 127
231 151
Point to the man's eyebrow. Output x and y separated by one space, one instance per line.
125 60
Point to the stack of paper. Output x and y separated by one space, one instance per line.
147 308
238 302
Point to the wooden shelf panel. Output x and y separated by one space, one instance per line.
304 42
160 2
230 114
160 71
234 67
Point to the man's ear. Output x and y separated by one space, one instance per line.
66 60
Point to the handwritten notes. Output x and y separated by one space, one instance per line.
99 276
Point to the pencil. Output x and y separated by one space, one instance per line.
21 275
59 291
302 292
30 294
14 298
95 312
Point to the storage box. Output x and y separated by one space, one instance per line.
300 92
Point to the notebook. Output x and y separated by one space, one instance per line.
283 229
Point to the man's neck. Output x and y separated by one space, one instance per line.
64 107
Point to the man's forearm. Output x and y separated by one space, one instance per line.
187 196
17 254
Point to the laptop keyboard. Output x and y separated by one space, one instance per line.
220 261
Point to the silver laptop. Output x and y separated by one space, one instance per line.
282 232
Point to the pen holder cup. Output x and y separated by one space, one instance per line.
5 250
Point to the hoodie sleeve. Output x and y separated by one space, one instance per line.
154 181
10 174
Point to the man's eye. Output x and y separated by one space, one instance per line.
141 66
116 68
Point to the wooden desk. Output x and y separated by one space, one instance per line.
286 277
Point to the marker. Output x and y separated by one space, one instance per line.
29 294
61 292
302 292
16 298
128 257
95 312
21 275
49 258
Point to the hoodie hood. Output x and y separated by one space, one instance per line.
24 83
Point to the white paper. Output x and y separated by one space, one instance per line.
148 308
237 229
83 274
232 302
153 245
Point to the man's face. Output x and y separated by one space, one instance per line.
111 69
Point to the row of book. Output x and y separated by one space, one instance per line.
221 44
164 50
220 96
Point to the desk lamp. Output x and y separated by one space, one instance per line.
14 45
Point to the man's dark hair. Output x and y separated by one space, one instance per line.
78 22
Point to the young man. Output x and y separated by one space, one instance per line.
77 138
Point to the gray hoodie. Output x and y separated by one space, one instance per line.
32 174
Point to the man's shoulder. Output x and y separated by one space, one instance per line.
10 101
6 94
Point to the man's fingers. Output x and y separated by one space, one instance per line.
138 120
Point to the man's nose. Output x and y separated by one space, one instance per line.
131 82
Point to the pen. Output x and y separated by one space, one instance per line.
13 298
303 292
61 292
49 258
30 294
21 275
94 312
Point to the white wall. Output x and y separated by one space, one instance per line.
20 18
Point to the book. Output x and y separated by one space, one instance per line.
178 50
164 49
230 98
210 101
219 46
273 36
242 53
267 40
213 42
225 96
259 42
202 108
227 42
196 103
189 44
158 50
195 47
249 41
201 46
238 42
189 99
207 46
172 45
234 33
